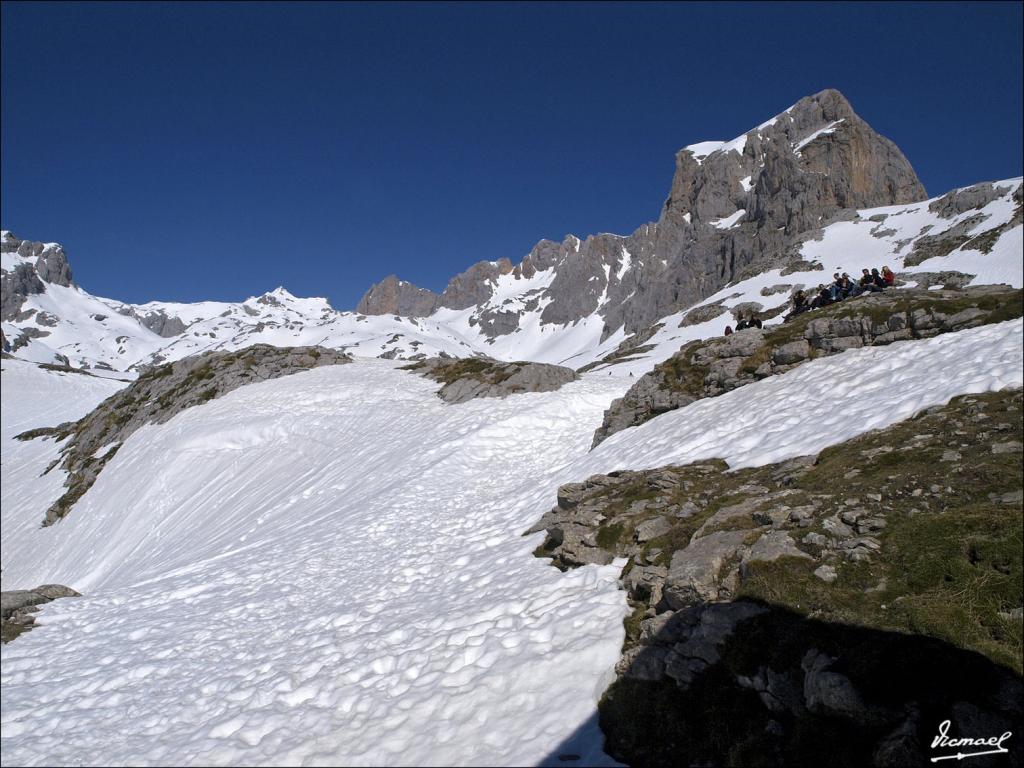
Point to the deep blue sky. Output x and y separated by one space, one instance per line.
203 151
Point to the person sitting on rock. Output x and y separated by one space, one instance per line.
849 287
823 299
743 324
867 282
836 288
800 305
878 280
755 322
728 330
889 276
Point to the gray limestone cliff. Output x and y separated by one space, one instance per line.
392 296
731 207
158 321
43 263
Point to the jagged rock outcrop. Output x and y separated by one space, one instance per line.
159 394
960 235
812 595
18 607
710 368
392 296
971 198
158 321
475 285
470 378
731 206
46 264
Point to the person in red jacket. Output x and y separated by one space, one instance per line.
888 276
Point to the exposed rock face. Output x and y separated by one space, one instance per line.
157 395
730 207
46 264
467 379
17 607
802 597
473 286
710 368
967 199
157 321
392 296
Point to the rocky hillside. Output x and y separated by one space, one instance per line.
475 377
154 398
709 368
818 595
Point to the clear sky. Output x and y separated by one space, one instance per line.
189 151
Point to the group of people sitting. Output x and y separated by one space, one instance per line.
842 287
751 321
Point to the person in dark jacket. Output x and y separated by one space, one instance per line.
800 305
755 322
743 324
867 282
728 330
823 299
849 288
877 280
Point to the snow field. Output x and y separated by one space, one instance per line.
33 397
321 569
326 568
821 403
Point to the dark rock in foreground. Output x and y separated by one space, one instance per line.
828 610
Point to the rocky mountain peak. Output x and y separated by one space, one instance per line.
732 205
27 267
392 296
793 171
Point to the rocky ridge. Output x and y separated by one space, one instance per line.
469 378
18 607
731 206
392 296
788 593
713 367
155 397
37 264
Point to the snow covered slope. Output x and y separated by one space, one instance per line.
339 582
343 582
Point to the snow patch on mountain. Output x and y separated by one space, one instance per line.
830 128
729 221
